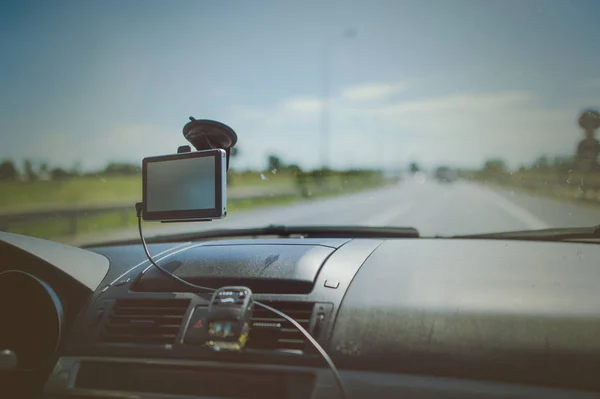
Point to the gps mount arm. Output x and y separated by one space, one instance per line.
205 134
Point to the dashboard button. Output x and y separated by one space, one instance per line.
196 330
332 284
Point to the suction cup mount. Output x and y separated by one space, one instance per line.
205 134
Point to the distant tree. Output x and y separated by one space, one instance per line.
231 174
59 174
274 162
76 169
542 163
44 170
30 173
293 168
319 175
121 168
564 164
414 167
495 166
8 171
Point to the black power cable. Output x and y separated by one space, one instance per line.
334 370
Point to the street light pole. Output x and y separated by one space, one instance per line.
325 109
326 106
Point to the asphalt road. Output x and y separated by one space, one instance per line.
431 207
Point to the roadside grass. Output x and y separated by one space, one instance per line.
255 179
81 191
89 191
60 228
570 187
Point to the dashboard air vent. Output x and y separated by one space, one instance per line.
268 331
145 321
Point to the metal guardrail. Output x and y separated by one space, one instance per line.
74 215
579 187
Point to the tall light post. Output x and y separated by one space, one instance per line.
325 122
325 109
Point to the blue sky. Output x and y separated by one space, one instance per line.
433 81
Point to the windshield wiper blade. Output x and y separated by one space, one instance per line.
289 231
277 231
552 234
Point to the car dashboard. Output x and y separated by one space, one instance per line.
409 318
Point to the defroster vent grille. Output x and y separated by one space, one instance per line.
268 331
145 321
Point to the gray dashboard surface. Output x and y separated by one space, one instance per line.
514 311
262 268
518 312
84 266
125 257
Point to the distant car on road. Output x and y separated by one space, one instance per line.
445 175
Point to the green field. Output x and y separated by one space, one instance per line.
567 185
104 191
247 191
19 196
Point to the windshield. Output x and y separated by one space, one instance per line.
452 117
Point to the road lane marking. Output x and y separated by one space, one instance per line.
385 218
519 213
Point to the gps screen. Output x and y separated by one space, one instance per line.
181 184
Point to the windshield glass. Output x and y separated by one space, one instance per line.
452 117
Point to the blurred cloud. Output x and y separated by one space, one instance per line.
462 128
372 91
467 128
247 114
427 81
304 105
122 143
458 102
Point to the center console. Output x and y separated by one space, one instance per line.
136 337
